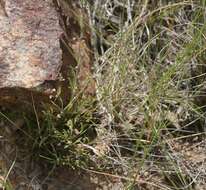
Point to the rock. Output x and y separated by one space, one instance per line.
30 53
78 38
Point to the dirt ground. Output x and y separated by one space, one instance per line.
21 173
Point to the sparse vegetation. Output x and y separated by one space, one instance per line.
145 125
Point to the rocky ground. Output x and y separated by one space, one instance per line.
19 171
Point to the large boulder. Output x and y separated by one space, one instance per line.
41 43
30 53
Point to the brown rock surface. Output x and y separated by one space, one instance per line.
75 21
30 53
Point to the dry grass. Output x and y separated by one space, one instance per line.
150 75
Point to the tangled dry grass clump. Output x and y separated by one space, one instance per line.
150 73
145 126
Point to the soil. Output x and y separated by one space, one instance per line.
23 173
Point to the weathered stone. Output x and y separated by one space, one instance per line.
30 53
78 38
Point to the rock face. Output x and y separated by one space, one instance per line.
78 38
30 53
